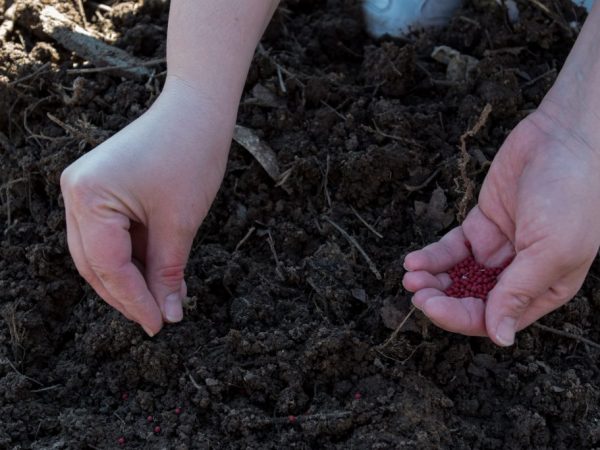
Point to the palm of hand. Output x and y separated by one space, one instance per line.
538 205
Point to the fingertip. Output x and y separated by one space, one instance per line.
410 261
149 331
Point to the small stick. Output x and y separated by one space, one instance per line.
539 77
424 183
353 241
399 327
277 262
49 388
245 238
567 335
86 70
9 362
335 111
31 75
280 78
464 160
366 224
194 382
82 14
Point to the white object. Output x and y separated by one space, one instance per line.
399 17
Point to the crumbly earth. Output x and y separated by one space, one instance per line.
369 132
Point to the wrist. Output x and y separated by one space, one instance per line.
198 110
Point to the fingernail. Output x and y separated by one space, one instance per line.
148 331
173 309
505 333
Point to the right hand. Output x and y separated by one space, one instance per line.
134 204
540 202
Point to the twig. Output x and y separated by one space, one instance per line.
468 186
539 77
9 362
335 111
552 16
82 14
366 224
194 382
403 140
77 134
326 182
418 187
49 388
39 71
86 70
353 241
567 335
399 327
280 79
274 252
245 238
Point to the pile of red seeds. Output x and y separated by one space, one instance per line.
471 279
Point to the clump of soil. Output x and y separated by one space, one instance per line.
369 131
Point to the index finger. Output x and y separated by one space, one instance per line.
108 250
441 255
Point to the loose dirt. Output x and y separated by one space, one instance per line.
288 320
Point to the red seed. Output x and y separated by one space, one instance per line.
124 396
121 440
357 396
292 419
157 429
178 410
471 279
150 419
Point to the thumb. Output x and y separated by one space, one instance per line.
166 258
528 276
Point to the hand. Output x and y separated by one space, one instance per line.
134 204
540 203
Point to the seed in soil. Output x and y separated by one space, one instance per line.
178 410
472 279
292 419
157 429
121 440
150 419
357 396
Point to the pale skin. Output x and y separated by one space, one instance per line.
134 204
539 203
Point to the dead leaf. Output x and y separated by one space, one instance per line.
259 149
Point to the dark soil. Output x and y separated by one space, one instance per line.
367 128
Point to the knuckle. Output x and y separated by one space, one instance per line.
104 273
78 188
519 302
171 275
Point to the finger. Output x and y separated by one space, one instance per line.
439 256
488 243
415 281
457 315
107 247
167 254
528 277
76 250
